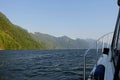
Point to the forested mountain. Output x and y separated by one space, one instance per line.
13 37
63 42
49 41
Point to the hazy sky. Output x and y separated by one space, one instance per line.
73 18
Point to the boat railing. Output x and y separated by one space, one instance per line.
101 43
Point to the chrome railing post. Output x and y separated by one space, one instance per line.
84 72
84 67
96 52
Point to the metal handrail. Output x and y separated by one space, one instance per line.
101 38
86 52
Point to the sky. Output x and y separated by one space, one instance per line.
82 19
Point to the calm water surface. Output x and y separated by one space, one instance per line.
41 65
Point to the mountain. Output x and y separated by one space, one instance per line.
63 42
13 37
49 41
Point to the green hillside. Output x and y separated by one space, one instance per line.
13 37
49 41
63 42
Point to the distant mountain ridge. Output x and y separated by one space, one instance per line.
63 42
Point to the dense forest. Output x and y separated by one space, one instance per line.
13 37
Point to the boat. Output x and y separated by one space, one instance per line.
107 62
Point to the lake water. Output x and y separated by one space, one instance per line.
42 65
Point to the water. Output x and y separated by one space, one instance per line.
41 65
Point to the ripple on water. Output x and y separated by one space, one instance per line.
41 65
